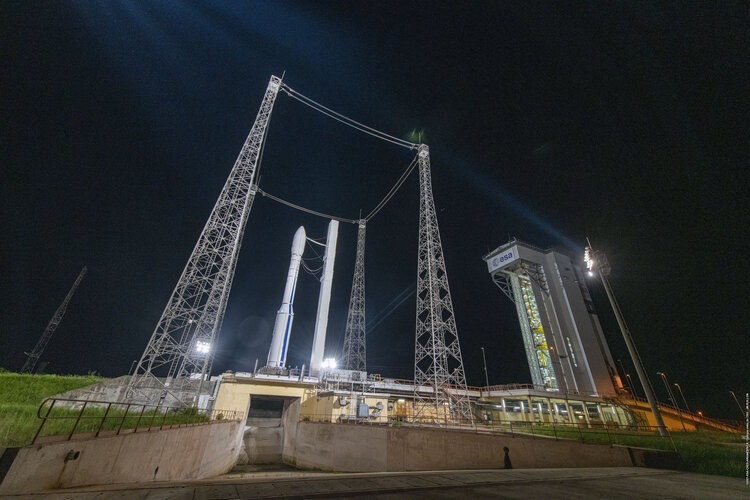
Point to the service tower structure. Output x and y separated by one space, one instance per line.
282 329
565 346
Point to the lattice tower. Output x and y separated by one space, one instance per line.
182 345
437 354
33 356
354 339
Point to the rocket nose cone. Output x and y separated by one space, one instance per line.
298 243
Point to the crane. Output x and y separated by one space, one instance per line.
33 356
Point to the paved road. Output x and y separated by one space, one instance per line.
625 482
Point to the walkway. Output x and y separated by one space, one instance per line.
530 483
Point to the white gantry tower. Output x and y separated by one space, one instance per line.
355 348
437 354
179 354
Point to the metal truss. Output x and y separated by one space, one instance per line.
33 356
502 280
182 345
354 339
437 354
536 273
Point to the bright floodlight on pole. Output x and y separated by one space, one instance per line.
598 261
589 260
202 347
328 364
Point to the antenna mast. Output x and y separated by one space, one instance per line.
33 356
437 354
354 339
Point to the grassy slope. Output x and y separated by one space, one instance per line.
20 397
705 452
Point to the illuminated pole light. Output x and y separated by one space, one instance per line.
328 364
598 260
202 347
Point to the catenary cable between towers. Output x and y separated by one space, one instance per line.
362 128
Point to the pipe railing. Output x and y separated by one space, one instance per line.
591 433
61 416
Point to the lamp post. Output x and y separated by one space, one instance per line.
738 404
598 261
486 378
683 397
670 394
630 379
627 380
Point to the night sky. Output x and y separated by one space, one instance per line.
621 121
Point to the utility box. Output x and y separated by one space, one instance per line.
363 411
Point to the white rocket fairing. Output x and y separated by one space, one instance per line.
282 329
324 299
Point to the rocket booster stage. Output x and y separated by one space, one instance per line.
282 329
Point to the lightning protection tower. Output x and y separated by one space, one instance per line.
181 348
437 354
33 356
354 339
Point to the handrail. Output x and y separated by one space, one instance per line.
583 432
116 414
717 422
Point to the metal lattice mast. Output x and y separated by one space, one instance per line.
182 344
437 354
354 339
33 356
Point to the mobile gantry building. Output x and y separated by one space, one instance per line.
565 347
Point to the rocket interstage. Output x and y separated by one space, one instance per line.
282 329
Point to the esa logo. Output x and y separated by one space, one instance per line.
503 258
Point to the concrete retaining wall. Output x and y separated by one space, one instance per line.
362 448
160 455
113 390
262 441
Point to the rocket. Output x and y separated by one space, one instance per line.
324 299
282 329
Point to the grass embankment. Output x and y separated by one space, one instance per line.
21 395
704 452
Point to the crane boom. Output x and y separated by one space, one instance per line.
33 356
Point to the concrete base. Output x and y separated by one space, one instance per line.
363 448
113 390
263 442
192 452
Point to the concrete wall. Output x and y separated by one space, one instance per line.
172 454
363 448
114 390
263 441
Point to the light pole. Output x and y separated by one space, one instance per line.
630 379
683 397
598 261
486 377
627 380
738 404
670 395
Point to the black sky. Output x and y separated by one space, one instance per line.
622 121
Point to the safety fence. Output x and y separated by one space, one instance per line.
78 418
641 436
694 417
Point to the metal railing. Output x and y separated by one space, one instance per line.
591 433
91 418
727 425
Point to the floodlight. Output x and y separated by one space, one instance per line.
329 363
